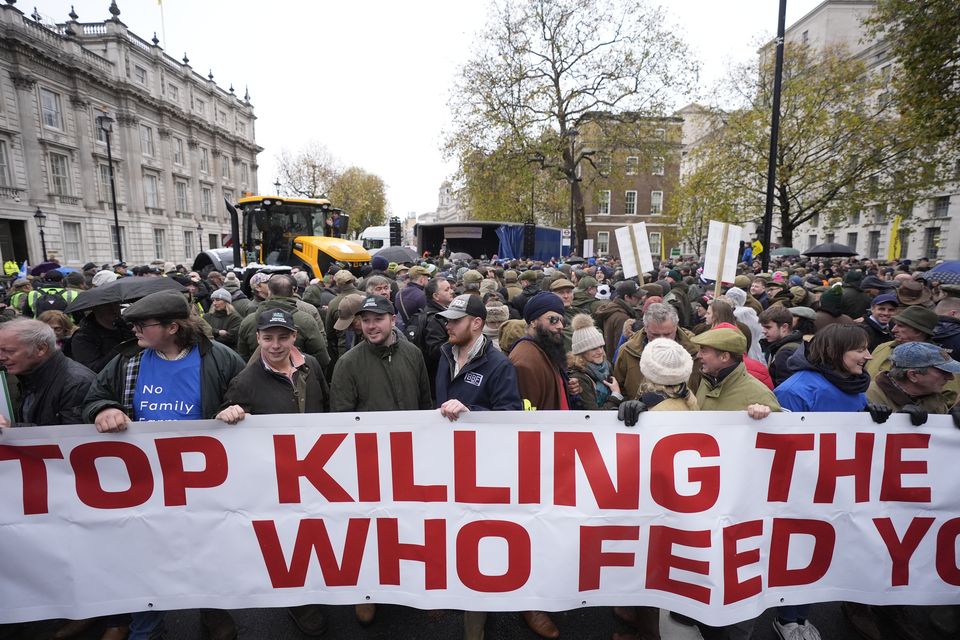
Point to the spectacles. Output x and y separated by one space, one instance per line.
555 319
140 326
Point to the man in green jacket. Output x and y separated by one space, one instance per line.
725 384
385 372
310 338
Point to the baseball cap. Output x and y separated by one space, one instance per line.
890 298
918 355
376 304
417 271
343 277
348 309
275 318
465 305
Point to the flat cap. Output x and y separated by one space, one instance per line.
803 312
586 282
417 271
510 275
561 283
723 340
162 305
529 275
472 276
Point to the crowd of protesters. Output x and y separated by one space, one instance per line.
489 334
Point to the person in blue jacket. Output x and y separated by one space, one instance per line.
473 376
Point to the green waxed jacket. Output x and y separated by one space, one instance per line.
735 393
310 338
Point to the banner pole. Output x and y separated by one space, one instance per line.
636 251
723 255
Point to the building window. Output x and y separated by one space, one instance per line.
71 242
241 128
852 240
206 200
117 239
879 212
101 135
655 240
50 109
632 163
811 241
855 218
103 181
244 172
904 242
931 243
805 38
659 134
181 195
188 244
815 220
59 174
941 206
604 165
151 192
213 241
5 175
829 238
159 243
146 140
873 245
173 92
228 195
177 151
658 166
656 203
140 74
603 243
604 202
630 203
221 117
200 107
225 167
204 160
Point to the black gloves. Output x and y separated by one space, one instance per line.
629 411
878 412
918 415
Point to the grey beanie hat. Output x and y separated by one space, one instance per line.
664 361
221 294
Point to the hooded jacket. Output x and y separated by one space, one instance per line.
93 345
381 378
813 388
777 354
486 383
947 335
583 302
310 339
611 317
627 369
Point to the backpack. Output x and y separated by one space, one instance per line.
50 299
417 327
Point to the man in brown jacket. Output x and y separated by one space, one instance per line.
613 314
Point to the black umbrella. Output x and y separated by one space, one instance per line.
398 254
122 290
43 267
460 255
830 250
574 260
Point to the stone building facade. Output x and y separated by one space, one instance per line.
180 145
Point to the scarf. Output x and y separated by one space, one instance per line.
849 384
599 373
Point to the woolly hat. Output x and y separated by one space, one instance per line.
585 334
231 282
540 304
488 286
101 278
497 313
664 361
221 294
379 263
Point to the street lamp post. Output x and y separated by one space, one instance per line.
106 125
200 235
41 218
277 185
572 133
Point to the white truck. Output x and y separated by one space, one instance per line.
375 238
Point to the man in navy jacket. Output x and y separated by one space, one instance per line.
473 376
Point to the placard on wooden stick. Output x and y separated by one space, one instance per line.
720 261
634 250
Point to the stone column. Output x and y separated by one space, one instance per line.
33 154
127 136
88 164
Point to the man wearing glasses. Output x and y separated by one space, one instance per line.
172 372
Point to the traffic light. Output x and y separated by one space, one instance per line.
396 232
529 239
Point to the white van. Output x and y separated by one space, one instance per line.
375 238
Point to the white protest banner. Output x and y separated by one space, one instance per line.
712 515
634 249
588 247
720 260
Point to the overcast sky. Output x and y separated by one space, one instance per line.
370 79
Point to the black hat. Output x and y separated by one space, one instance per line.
627 288
376 304
275 318
465 305
89 266
873 282
162 305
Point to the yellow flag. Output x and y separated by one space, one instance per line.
893 251
757 248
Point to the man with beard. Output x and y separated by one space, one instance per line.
539 356
383 373
541 364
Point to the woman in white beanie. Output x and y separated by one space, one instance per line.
588 363
223 318
666 367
